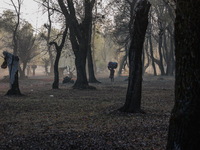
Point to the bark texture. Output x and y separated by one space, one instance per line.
80 38
133 96
184 128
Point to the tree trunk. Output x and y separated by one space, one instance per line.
84 46
152 57
93 39
49 27
133 96
184 128
58 53
122 64
145 50
21 72
92 78
160 52
80 63
172 62
79 37
14 90
12 62
15 32
56 72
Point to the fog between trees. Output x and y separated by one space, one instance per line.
110 37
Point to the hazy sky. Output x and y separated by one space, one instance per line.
30 11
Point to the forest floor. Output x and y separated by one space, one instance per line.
85 119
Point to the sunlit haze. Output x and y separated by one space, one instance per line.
30 11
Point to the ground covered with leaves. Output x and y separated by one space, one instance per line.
85 119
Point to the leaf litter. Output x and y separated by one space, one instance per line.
85 119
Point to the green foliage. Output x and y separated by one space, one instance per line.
7 21
26 40
26 48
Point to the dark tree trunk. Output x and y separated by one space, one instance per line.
166 54
161 66
93 39
14 90
172 62
184 128
58 53
15 32
152 57
169 55
151 45
56 72
92 78
123 62
133 96
145 50
80 63
80 38
165 48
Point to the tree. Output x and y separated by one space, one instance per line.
92 78
15 31
133 96
184 128
58 53
151 50
160 37
12 23
7 24
48 26
123 28
27 48
50 10
79 37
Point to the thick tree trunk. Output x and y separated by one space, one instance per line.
14 90
80 63
133 96
184 128
79 37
